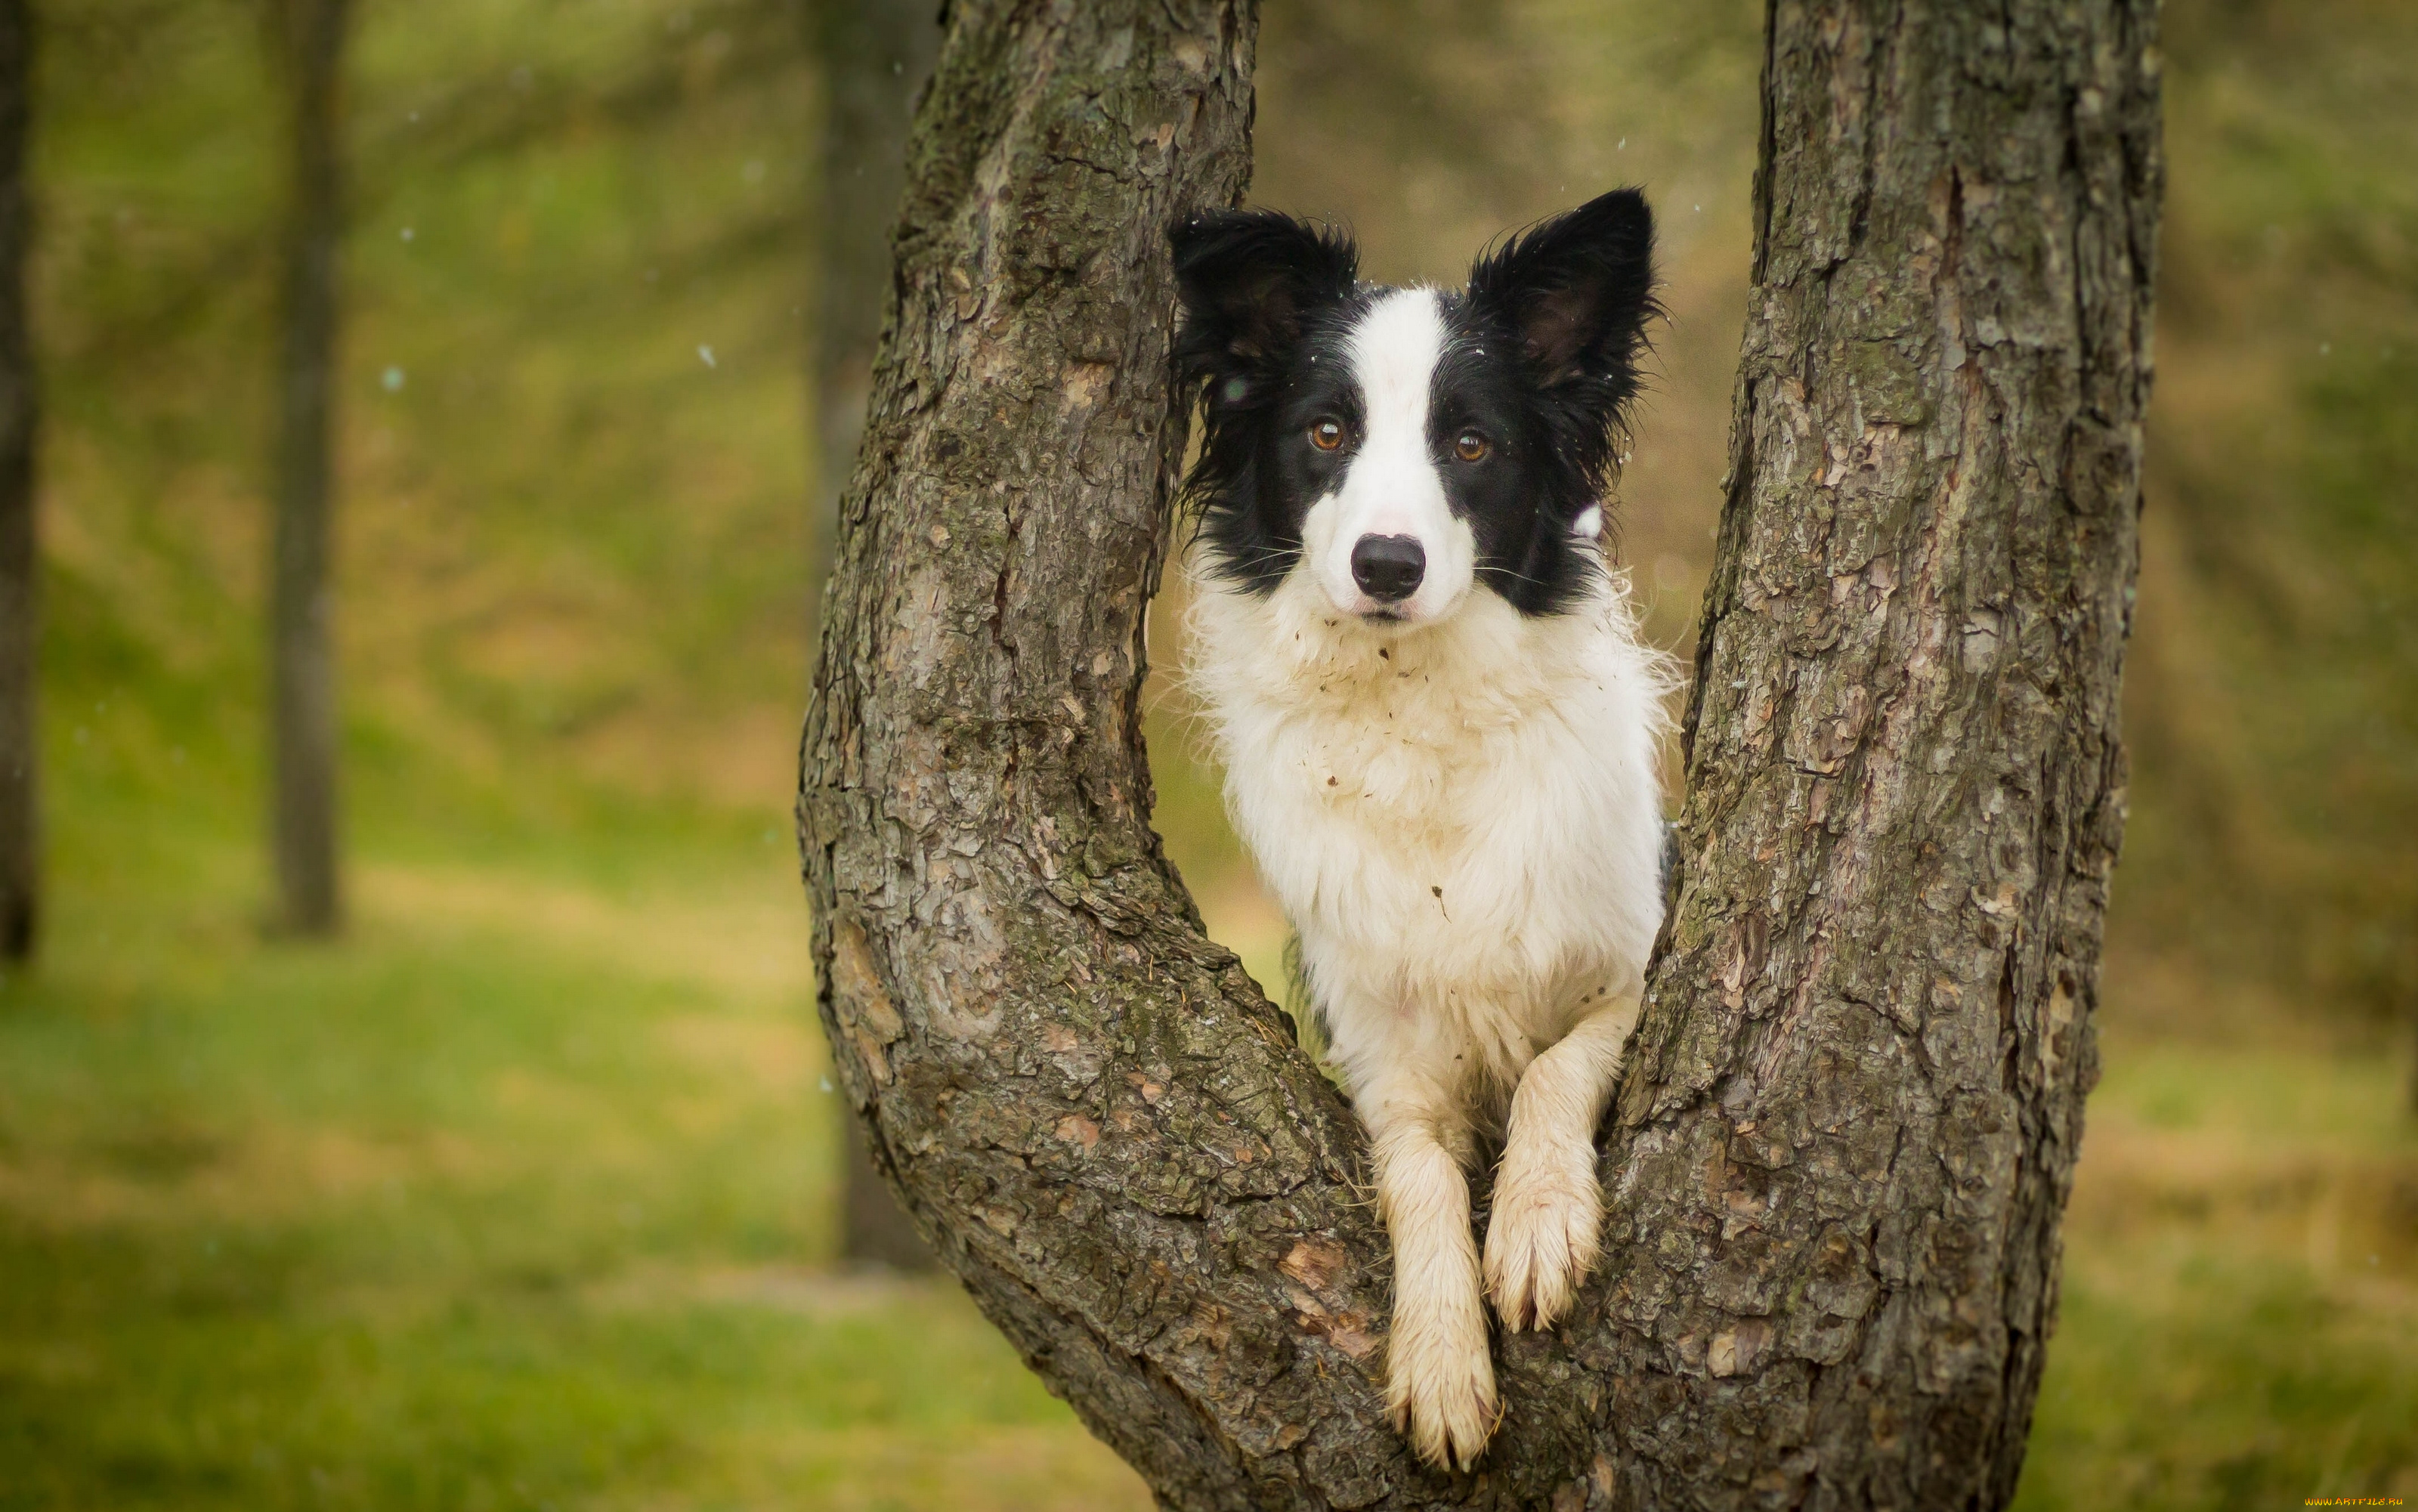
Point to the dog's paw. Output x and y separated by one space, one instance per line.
1542 1240
1440 1386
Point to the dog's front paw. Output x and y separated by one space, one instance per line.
1542 1240
1440 1384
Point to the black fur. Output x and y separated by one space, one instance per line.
1542 361
1261 292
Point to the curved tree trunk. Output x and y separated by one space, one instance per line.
872 55
1852 1110
1855 1097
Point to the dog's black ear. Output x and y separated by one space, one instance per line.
1578 289
1247 279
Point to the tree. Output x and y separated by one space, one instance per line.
309 40
21 875
873 55
1847 1128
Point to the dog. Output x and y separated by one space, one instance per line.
1439 724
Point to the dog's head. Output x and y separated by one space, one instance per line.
1401 446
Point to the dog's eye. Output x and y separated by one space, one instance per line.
1469 445
1326 434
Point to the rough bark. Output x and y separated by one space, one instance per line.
1851 1114
20 866
873 56
1855 1098
301 656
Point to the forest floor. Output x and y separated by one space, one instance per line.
519 1197
2239 1317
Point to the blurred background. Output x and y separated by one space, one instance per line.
522 1191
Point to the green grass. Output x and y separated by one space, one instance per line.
518 1197
2240 1320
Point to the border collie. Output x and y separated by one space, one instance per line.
1439 725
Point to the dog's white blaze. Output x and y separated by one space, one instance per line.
1462 819
1391 486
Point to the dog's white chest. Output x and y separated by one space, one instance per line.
1462 823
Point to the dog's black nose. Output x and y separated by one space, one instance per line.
1388 567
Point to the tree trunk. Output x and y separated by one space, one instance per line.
1851 1113
873 55
2411 1010
303 721
20 837
1856 1096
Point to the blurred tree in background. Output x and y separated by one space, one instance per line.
308 38
21 860
566 405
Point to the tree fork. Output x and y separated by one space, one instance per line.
1853 1107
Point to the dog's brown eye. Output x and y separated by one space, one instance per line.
1469 445
1326 434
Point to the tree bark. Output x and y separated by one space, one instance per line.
21 837
873 56
1856 1096
303 720
1848 1126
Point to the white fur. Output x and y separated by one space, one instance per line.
1391 488
1461 818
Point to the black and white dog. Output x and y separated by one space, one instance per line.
1439 725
